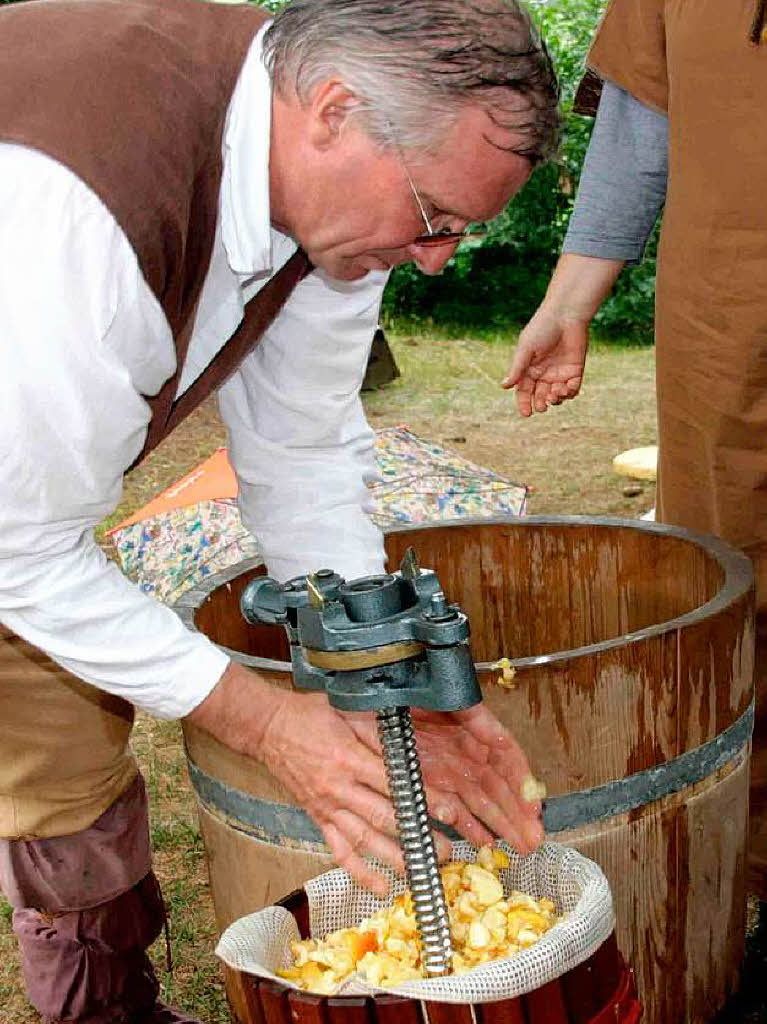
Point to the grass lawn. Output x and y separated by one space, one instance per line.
448 392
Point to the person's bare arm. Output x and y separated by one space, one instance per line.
331 762
549 359
622 188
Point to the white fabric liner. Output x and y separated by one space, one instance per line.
260 943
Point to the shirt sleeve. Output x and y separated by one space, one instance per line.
299 441
623 180
82 339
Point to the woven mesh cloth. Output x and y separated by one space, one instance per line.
260 943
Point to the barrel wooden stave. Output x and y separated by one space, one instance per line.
590 706
543 586
668 866
600 988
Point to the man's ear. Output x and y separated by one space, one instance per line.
331 105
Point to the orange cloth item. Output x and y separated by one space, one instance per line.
212 480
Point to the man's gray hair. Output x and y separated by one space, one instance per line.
414 65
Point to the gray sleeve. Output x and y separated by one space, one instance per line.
623 181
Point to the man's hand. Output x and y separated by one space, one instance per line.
548 363
474 770
331 762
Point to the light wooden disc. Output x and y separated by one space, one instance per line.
370 657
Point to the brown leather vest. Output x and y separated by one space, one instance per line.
132 96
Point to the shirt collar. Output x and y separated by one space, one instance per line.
245 216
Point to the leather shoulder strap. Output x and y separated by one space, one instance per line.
588 94
168 411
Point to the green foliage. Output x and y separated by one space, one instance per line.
270 5
503 278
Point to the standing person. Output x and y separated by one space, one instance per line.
178 179
680 119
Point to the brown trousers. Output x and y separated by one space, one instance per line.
90 966
84 959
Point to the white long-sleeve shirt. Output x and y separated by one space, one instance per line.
83 340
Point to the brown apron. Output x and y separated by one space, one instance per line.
696 59
65 754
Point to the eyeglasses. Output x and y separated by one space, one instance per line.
434 238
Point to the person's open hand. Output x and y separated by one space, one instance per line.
473 770
547 367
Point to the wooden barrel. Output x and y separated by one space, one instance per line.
633 649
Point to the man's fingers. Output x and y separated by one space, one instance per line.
363 766
365 841
483 727
481 805
450 809
374 810
503 811
346 857
499 778
442 845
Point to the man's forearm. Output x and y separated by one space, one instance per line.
238 710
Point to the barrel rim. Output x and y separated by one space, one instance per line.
736 566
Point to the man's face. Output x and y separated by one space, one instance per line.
364 216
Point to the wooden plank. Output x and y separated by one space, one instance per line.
449 1013
242 994
712 902
607 970
396 1010
274 1003
505 1011
215 616
453 552
306 1008
581 991
715 672
546 1005
349 1010
589 721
